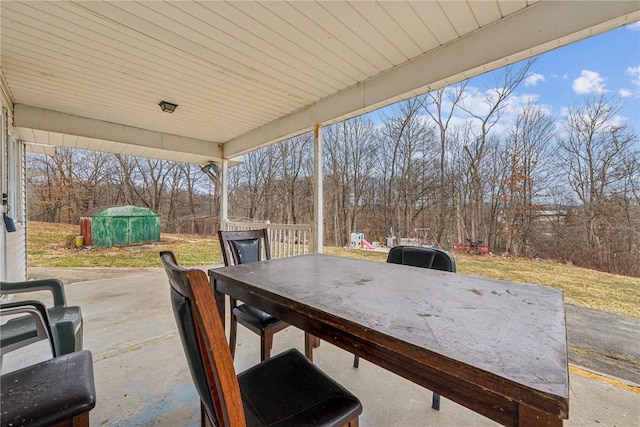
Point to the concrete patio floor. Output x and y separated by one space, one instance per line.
142 378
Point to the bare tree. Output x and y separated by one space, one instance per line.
123 180
592 155
349 148
44 185
252 197
441 107
152 176
405 156
294 186
496 101
529 150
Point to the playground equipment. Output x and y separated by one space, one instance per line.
358 241
367 245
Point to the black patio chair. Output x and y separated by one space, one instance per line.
241 247
57 392
286 390
417 256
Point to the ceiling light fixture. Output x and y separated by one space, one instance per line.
167 107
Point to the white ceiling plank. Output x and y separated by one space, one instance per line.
460 15
308 33
391 31
485 12
435 19
348 27
84 89
404 15
170 122
512 6
69 140
211 37
98 81
220 60
372 46
111 70
132 43
55 138
288 54
41 135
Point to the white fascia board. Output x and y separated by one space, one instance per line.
26 116
6 100
540 27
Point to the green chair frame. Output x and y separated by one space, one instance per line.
61 324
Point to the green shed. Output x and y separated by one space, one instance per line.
119 225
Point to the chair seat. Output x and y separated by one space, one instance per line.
288 390
258 319
16 330
49 392
24 327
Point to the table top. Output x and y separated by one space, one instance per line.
493 331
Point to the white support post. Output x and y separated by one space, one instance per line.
224 194
318 230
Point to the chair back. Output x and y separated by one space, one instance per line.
241 247
417 256
204 343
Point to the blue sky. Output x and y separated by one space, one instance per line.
608 63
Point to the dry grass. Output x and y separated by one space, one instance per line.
51 245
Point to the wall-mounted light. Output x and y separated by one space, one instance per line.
167 107
210 167
211 170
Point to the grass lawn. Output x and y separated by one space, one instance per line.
51 245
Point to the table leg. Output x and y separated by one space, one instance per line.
528 416
309 342
220 300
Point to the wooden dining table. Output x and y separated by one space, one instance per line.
496 347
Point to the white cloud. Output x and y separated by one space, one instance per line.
634 27
561 128
533 79
634 72
634 75
625 93
589 82
475 101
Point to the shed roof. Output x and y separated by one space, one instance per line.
124 211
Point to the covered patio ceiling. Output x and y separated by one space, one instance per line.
245 74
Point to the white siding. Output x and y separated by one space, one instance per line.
13 256
17 241
3 183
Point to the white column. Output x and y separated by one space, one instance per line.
317 190
224 194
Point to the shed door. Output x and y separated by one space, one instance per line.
120 231
141 229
